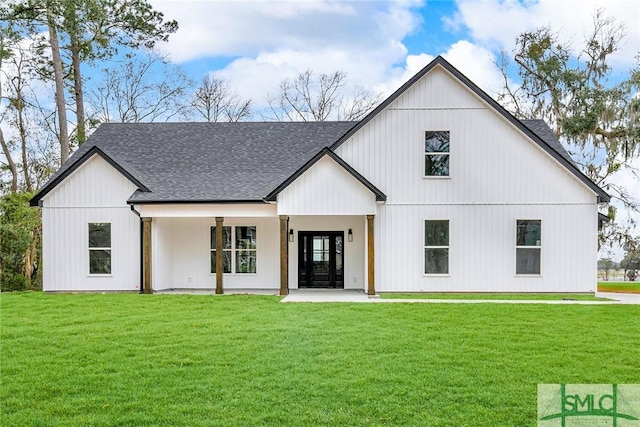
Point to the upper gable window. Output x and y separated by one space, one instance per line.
436 153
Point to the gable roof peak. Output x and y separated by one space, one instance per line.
543 142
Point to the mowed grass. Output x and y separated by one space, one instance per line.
622 287
191 360
493 296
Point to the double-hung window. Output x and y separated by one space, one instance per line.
528 246
436 247
436 153
226 249
99 248
240 249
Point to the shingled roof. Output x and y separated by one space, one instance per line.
205 162
245 162
547 141
540 128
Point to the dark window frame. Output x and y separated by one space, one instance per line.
237 249
100 266
525 232
435 155
436 246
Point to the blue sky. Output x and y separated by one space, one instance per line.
379 44
254 44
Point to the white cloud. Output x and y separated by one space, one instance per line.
248 28
258 77
473 60
497 23
269 41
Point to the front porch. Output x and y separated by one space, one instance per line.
316 229
261 252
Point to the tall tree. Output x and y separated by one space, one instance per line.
56 61
594 115
17 103
8 39
216 101
11 165
22 114
148 89
85 30
325 98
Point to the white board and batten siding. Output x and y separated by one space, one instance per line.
181 249
326 188
95 192
326 197
497 175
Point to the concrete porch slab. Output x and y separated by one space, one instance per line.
325 295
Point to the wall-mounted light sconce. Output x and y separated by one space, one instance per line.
291 234
350 235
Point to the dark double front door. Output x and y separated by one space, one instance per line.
321 259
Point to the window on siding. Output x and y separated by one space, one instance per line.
226 249
436 153
246 249
436 247
99 248
240 249
528 246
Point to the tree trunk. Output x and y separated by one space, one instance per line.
31 257
22 130
59 80
10 163
77 76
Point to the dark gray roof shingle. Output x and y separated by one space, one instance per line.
540 128
224 162
196 162
209 162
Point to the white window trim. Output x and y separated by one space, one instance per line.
88 264
436 153
516 247
234 250
424 247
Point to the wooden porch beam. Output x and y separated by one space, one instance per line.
146 256
284 255
371 287
219 254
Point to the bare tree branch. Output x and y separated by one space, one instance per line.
325 98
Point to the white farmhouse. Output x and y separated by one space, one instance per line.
437 189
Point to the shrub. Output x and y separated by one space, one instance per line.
20 241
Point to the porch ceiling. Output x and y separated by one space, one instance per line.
247 210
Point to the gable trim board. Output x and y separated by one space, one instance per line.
37 199
245 173
440 61
380 196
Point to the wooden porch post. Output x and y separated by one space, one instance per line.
371 288
284 255
219 254
146 256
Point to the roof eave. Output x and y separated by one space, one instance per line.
439 60
36 200
326 151
196 201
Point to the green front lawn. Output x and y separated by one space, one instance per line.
494 296
623 287
200 360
